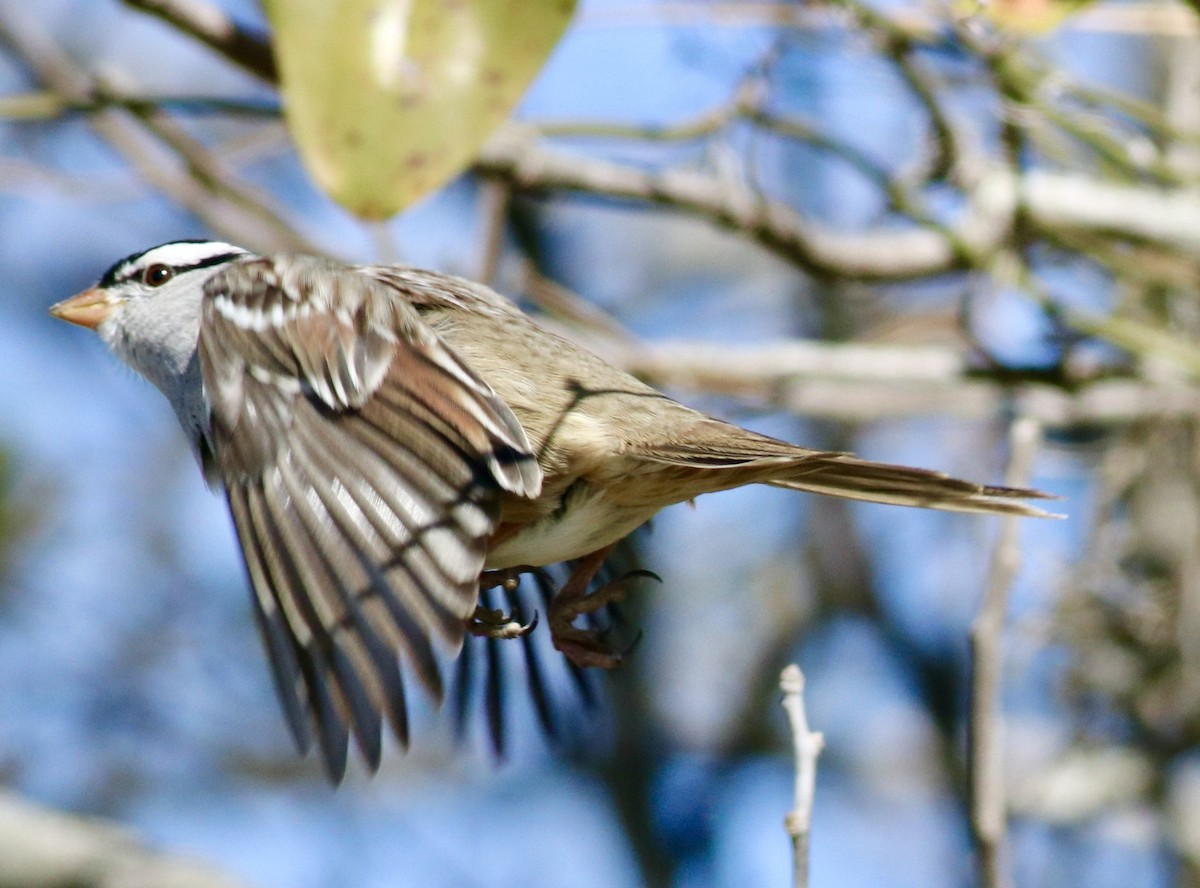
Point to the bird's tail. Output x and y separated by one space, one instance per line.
852 478
720 456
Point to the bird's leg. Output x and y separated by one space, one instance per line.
584 647
489 622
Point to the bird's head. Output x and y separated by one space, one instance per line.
146 308
141 292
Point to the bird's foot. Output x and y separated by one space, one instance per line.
589 647
489 622
508 577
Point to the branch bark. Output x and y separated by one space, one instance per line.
1046 200
517 156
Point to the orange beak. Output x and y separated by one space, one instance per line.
87 309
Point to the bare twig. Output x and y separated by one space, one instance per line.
211 25
46 105
947 155
165 156
1051 202
1141 17
806 747
494 209
985 726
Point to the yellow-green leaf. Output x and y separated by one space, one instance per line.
388 100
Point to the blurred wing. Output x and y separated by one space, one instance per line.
363 463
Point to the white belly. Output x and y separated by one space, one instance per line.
589 524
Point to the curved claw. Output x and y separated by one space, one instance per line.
639 574
489 622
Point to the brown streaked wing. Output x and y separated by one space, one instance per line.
364 465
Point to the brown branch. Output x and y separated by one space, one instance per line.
516 157
212 26
985 751
494 201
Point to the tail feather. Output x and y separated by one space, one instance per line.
732 457
853 478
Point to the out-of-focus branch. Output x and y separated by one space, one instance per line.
806 747
516 156
1052 202
947 156
162 154
562 304
899 42
494 200
1000 206
989 814
41 848
1057 201
211 25
860 383
46 105
1048 201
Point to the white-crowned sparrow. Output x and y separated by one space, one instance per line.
384 435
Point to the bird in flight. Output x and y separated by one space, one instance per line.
390 439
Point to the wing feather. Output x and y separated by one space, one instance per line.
278 638
364 463
328 562
371 546
325 703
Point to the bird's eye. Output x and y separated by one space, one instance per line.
157 274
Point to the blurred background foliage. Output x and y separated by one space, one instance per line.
891 227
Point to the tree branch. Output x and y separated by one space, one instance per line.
515 156
989 813
245 47
1058 201
857 382
162 153
806 747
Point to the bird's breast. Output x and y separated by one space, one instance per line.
586 520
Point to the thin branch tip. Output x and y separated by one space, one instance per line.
806 747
